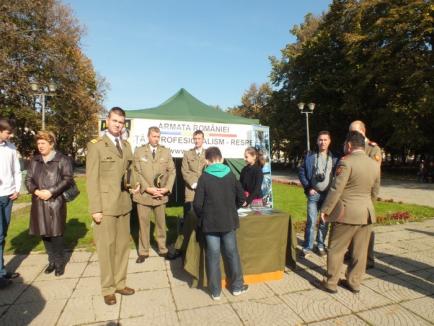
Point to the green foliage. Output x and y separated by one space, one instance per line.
369 60
40 41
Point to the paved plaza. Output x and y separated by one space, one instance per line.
399 291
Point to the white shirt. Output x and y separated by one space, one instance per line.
153 148
10 171
113 138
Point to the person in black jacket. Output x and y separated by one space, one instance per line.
217 198
49 175
251 177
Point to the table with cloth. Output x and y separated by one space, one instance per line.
266 243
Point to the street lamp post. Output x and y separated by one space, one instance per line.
42 92
309 110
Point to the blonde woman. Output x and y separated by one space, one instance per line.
49 175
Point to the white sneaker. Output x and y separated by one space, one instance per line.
243 290
306 252
216 298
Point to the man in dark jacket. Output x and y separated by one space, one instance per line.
315 175
218 196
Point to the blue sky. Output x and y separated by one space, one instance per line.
148 50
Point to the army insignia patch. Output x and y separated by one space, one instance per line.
339 170
377 158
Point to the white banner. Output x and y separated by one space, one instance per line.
232 139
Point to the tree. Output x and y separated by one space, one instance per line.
370 60
41 42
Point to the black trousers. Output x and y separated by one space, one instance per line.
54 247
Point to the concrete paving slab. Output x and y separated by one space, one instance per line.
420 282
148 280
424 307
107 323
72 270
176 273
189 298
217 315
427 274
87 287
295 281
3 309
39 313
84 310
149 265
393 315
80 256
255 292
341 321
33 259
29 273
168 318
315 305
92 269
395 289
154 302
266 311
11 293
388 248
48 290
366 299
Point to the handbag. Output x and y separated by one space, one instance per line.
71 193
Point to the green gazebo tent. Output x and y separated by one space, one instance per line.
185 107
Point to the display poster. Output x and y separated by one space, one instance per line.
232 139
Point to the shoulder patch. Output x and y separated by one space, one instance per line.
339 170
377 158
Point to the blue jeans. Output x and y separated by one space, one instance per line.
228 241
314 203
5 218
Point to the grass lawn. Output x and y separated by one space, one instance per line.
78 232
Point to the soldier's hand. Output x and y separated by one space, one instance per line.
324 217
135 190
163 191
97 217
152 191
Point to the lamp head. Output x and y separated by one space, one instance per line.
300 106
311 106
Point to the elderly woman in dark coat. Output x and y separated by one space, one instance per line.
49 175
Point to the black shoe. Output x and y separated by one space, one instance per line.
344 284
4 283
141 259
322 286
172 255
11 275
162 254
50 268
60 270
370 265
